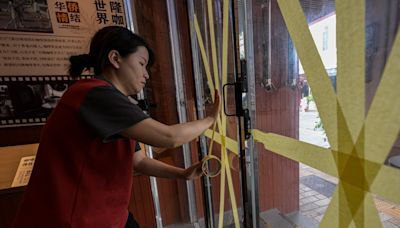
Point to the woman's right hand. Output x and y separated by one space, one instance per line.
216 106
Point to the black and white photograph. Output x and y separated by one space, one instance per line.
29 102
25 15
5 103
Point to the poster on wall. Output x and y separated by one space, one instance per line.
36 39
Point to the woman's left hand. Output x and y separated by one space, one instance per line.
193 172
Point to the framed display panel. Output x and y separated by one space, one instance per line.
37 37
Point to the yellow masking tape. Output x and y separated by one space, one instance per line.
225 163
210 157
232 192
382 124
355 201
204 57
205 63
226 168
311 155
351 169
351 63
224 71
222 190
331 214
343 216
210 147
362 206
225 26
317 77
343 118
231 144
386 182
212 39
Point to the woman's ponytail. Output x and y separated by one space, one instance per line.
78 64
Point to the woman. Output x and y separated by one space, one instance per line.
83 170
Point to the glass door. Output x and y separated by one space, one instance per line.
213 48
321 77
318 93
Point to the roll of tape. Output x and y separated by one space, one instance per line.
211 170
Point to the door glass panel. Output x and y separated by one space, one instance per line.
210 75
277 96
381 27
316 187
292 101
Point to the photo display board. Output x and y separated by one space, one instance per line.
37 37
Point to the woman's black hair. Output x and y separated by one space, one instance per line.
106 39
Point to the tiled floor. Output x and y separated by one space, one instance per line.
313 204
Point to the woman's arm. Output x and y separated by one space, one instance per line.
152 167
154 133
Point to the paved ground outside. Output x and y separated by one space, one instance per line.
316 187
